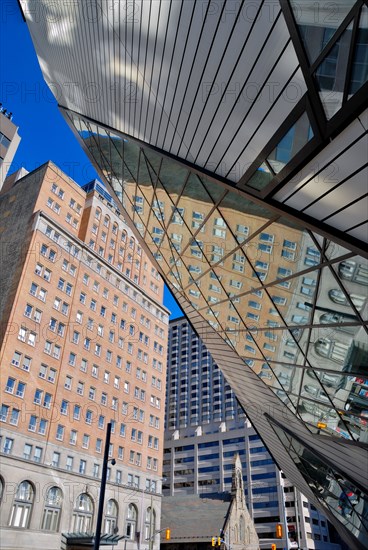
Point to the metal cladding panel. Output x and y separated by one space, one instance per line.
325 158
208 82
153 72
254 133
333 187
361 231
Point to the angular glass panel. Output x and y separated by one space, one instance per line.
331 488
242 216
292 142
330 249
131 155
354 270
331 73
261 288
261 177
318 22
155 165
359 69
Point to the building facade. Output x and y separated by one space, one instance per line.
83 343
235 136
206 428
9 141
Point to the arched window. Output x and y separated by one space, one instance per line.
149 524
83 514
22 507
98 213
106 221
115 228
131 521
111 516
52 509
236 533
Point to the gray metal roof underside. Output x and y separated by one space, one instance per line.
208 82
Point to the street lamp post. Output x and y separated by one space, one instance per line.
103 488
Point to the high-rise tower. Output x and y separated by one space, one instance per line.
84 337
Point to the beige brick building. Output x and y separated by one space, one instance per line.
83 339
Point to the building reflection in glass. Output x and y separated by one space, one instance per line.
292 304
347 501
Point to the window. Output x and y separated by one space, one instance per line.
60 432
37 454
254 304
52 509
89 416
20 389
9 388
73 437
149 522
280 300
14 418
77 412
132 516
82 514
56 459
4 413
111 517
16 359
64 406
8 445
22 507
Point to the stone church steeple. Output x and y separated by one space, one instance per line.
240 528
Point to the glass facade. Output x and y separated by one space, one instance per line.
292 304
344 498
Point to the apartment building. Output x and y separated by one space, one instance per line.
206 427
83 343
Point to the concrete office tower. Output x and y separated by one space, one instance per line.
9 141
205 427
84 338
235 136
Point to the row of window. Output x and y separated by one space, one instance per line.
52 255
83 512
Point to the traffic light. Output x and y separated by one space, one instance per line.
279 531
213 541
273 546
168 534
321 425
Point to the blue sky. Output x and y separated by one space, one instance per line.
45 135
